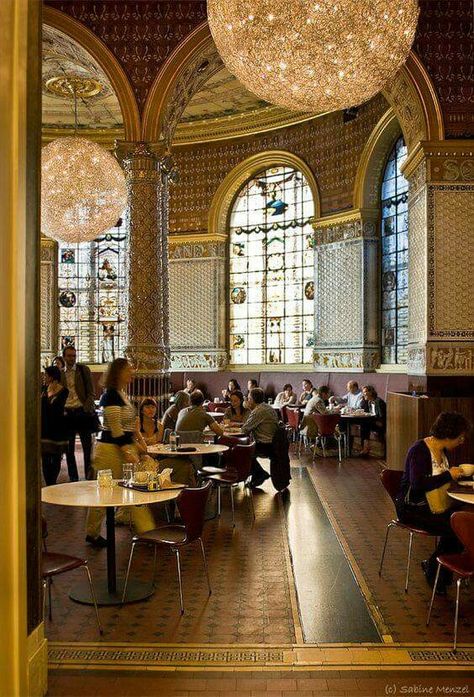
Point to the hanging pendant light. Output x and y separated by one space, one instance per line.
83 190
311 55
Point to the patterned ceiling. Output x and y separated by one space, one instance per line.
63 60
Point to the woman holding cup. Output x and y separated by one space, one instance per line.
116 446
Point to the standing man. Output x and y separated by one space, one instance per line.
262 424
80 410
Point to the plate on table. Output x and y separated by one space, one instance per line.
466 482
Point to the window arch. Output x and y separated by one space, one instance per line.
92 287
272 269
394 257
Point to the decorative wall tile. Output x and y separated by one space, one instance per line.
417 266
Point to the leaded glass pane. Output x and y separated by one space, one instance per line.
394 233
271 262
92 296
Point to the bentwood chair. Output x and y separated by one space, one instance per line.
225 458
191 505
238 467
462 564
328 428
293 417
54 564
391 480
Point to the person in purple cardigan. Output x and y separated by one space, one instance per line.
427 468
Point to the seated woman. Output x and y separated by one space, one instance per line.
374 405
181 401
236 413
232 386
149 426
427 468
286 398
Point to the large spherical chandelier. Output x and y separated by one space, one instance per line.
313 55
83 190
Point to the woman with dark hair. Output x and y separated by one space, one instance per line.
181 401
232 386
236 413
117 445
149 426
374 405
54 435
59 362
427 469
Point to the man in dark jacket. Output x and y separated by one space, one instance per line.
80 410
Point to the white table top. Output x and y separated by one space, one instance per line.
365 415
200 449
467 497
88 494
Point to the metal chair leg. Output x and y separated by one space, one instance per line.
389 527
154 566
180 582
456 615
128 572
323 444
94 599
50 611
250 494
232 504
410 544
205 565
218 501
44 597
435 585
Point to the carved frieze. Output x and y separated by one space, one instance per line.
343 231
195 250
205 360
406 104
450 359
359 360
416 360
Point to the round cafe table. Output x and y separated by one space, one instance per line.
198 449
467 497
88 495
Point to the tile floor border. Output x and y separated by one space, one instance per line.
264 657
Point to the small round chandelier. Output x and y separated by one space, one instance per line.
83 190
313 55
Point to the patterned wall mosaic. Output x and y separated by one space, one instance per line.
331 148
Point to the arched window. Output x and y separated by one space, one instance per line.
394 234
92 296
272 269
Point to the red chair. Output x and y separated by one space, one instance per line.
293 419
191 506
54 564
391 480
328 428
462 564
231 442
239 464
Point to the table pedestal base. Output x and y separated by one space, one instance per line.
136 590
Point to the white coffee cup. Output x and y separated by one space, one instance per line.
467 470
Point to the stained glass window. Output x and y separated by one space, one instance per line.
271 270
92 296
394 235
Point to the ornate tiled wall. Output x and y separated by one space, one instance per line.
48 301
441 311
346 294
197 305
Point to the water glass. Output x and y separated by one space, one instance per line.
105 479
127 473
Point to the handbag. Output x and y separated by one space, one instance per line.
438 499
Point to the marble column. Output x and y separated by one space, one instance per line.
346 292
147 171
441 263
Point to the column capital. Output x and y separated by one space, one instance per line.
446 160
128 150
357 223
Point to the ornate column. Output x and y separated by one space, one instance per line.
441 278
147 169
346 297
48 300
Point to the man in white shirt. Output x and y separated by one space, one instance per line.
262 424
353 397
79 409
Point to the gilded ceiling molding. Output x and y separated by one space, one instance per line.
372 161
107 61
228 189
103 136
161 93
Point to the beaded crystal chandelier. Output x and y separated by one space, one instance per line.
83 190
313 55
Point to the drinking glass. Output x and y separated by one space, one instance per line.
127 473
104 479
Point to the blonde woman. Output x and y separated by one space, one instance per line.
117 446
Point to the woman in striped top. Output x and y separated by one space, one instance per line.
117 445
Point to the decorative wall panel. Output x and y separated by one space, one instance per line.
331 148
451 260
417 268
197 306
48 301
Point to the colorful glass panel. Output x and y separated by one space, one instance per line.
394 235
92 286
271 302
